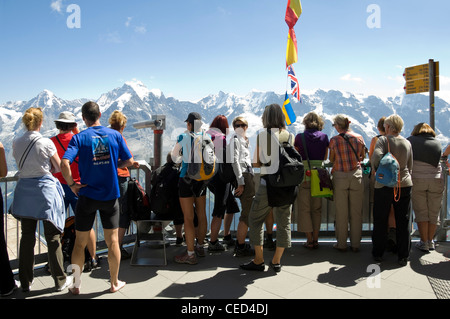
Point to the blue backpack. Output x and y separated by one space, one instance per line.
388 171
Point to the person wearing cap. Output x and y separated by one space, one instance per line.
68 127
190 193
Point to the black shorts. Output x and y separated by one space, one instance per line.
191 189
86 211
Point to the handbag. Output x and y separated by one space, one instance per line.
321 184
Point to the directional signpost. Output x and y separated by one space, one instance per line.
423 78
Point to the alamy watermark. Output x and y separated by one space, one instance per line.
374 19
374 280
74 19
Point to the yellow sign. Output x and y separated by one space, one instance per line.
418 78
416 72
420 85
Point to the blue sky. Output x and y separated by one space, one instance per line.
193 48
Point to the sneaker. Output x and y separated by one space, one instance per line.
431 245
242 252
252 266
179 242
186 259
423 246
200 251
229 242
9 293
215 247
67 284
275 267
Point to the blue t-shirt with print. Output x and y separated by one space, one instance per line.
99 149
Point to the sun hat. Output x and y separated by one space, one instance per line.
66 117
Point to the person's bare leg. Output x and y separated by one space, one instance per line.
78 256
277 256
228 219
112 241
215 228
200 205
259 256
187 205
92 244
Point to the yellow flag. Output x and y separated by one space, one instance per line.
291 51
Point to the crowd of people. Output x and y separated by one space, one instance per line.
88 171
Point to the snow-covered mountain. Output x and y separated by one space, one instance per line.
138 103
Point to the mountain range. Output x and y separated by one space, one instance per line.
138 103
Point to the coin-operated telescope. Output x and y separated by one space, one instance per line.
158 124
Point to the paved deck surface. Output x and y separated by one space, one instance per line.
324 273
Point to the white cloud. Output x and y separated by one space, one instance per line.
444 80
111 37
349 77
128 22
56 5
398 79
141 30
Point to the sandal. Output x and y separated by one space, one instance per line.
315 244
309 245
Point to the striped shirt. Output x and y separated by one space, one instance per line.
345 158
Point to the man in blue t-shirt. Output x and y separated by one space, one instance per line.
98 149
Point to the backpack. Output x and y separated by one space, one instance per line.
164 193
226 172
388 172
290 167
138 202
202 161
68 241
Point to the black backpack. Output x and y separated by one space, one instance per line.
226 172
290 167
68 240
138 202
164 201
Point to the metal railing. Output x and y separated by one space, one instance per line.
143 174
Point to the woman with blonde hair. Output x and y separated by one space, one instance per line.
118 122
428 183
38 196
268 198
309 209
401 149
347 149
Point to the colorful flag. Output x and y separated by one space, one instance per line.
288 111
293 12
295 87
291 51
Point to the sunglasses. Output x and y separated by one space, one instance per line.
240 125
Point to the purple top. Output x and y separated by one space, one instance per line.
316 142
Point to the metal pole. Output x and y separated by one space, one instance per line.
432 87
157 149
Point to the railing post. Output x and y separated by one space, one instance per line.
441 232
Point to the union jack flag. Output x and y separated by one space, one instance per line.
295 87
